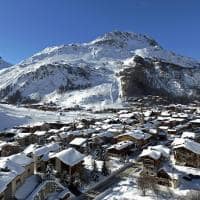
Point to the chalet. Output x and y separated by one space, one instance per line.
191 135
9 148
25 139
122 148
105 137
7 182
24 161
69 160
40 135
163 128
195 123
139 137
186 152
166 177
43 154
79 143
152 157
67 137
13 172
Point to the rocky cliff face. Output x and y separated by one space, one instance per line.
150 76
101 72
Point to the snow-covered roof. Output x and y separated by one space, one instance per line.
171 173
195 121
150 153
54 130
27 187
65 128
22 135
127 115
70 156
78 141
138 134
39 133
46 149
105 134
156 152
5 163
121 145
5 179
88 131
3 144
165 114
187 170
21 159
187 144
164 128
165 151
153 131
180 115
188 134
30 149
75 133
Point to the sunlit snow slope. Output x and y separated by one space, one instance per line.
98 72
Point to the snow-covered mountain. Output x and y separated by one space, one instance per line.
4 64
103 71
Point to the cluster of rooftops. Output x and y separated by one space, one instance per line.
155 132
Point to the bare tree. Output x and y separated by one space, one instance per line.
145 183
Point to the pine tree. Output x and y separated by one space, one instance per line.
94 173
104 169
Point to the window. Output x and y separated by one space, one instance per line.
18 182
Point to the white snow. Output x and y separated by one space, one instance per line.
156 152
21 159
70 156
9 121
91 68
5 179
52 147
78 141
121 145
187 144
138 134
127 190
188 134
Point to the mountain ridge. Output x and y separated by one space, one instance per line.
4 64
93 73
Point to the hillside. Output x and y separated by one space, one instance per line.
104 71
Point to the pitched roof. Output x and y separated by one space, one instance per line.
21 159
78 141
155 152
137 134
70 156
150 153
5 179
46 149
5 163
187 144
121 145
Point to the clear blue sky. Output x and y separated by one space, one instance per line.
27 26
